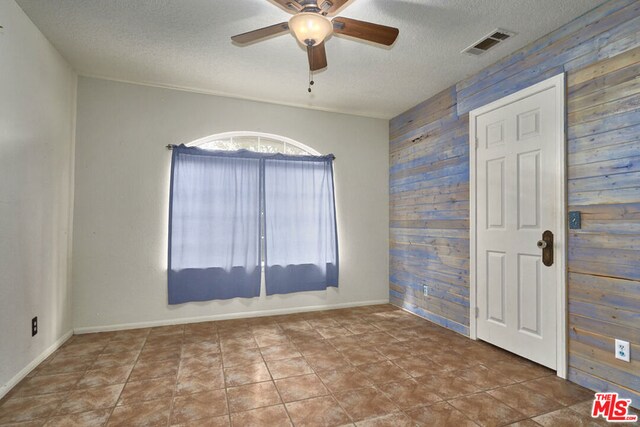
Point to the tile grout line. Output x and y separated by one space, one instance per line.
128 377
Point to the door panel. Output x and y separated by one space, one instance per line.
495 193
529 294
515 203
495 287
529 190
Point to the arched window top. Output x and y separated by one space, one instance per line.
253 141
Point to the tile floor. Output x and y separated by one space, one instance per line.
366 366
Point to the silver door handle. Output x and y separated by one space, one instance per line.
542 244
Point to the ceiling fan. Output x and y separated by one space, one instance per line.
311 27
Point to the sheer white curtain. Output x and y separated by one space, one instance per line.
214 225
301 247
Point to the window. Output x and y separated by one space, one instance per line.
243 203
257 142
253 141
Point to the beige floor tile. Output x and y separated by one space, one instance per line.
289 367
366 403
325 360
204 379
447 385
45 384
383 372
392 420
300 387
565 418
484 378
525 400
20 409
197 406
362 356
247 397
139 391
409 394
110 360
83 419
141 414
560 390
90 399
486 411
344 379
279 352
440 414
149 370
241 357
221 421
317 412
105 376
272 416
246 374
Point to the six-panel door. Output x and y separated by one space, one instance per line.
515 204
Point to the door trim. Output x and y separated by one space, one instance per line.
557 82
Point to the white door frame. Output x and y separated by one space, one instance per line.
560 234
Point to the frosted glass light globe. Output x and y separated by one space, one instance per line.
310 28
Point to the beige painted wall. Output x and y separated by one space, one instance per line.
122 183
37 108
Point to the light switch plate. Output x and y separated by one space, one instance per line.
575 220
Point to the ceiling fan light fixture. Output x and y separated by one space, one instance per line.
310 28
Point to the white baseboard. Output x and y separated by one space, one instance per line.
261 313
5 388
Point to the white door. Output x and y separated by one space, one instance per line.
516 199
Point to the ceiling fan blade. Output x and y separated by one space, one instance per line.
291 6
331 7
262 33
365 30
317 57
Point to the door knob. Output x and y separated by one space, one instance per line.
546 244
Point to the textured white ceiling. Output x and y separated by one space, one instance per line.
185 44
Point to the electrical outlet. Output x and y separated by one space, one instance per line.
34 326
622 350
425 290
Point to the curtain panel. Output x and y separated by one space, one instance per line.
223 203
301 243
214 225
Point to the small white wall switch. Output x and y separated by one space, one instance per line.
425 290
623 350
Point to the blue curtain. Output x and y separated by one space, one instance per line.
214 225
301 245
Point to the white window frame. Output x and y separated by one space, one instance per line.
259 135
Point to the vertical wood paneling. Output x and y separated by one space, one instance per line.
429 189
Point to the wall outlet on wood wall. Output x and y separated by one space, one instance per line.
425 290
622 350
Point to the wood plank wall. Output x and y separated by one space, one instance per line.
429 186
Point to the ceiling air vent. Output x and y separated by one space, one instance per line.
491 40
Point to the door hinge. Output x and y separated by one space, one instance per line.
477 142
477 312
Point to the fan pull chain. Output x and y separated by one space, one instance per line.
311 82
310 72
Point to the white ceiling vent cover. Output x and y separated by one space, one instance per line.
489 41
